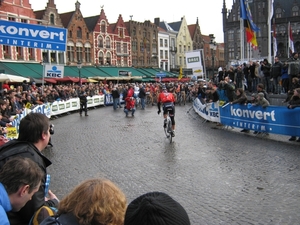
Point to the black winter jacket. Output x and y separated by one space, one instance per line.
24 149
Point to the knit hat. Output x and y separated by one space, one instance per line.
155 208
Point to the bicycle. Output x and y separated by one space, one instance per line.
168 128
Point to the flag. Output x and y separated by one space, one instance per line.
250 26
250 34
271 10
291 41
180 74
274 40
246 14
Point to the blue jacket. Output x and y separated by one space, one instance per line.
5 205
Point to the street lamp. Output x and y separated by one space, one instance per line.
173 51
79 65
213 46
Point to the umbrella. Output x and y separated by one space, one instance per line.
12 78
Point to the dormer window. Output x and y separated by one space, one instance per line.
278 13
52 19
79 32
295 11
103 26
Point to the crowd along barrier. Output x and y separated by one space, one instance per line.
272 119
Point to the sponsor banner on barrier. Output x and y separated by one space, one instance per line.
273 119
208 111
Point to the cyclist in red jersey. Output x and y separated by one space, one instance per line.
167 99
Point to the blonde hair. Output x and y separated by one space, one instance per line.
95 201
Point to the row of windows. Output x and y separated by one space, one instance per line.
279 12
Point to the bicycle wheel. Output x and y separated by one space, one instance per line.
166 132
169 127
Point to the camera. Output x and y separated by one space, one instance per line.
51 130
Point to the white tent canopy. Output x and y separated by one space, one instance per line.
12 78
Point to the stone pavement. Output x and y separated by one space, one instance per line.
220 176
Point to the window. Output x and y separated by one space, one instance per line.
134 60
108 58
173 42
45 56
52 19
134 46
166 42
24 21
118 49
53 56
31 53
119 62
79 53
19 52
184 49
100 42
231 51
121 32
6 52
107 42
180 49
61 58
154 45
79 32
125 48
125 61
101 62
134 31
141 46
278 13
230 35
10 18
70 52
103 26
160 42
87 54
295 11
161 54
166 54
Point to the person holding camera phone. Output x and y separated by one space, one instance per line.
34 135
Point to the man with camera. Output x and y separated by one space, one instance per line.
34 135
83 100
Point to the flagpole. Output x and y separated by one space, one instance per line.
270 10
242 35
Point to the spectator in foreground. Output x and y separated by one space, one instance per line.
293 103
20 178
94 201
155 208
33 138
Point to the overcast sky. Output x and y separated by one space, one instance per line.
207 11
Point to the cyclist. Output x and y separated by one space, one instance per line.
168 100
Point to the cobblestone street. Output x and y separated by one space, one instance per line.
220 176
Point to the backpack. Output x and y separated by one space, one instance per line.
64 219
41 214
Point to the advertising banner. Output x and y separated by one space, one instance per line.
273 119
33 35
54 71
